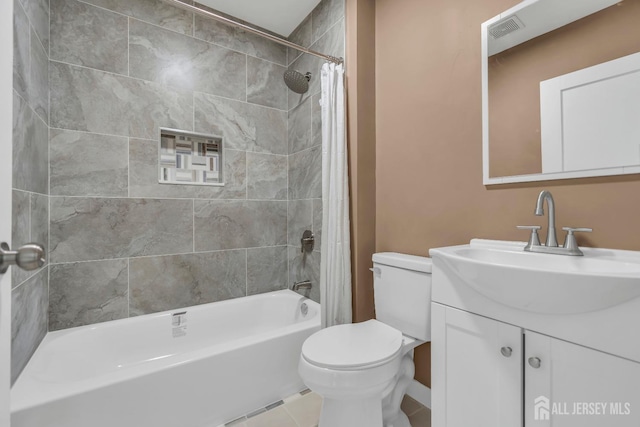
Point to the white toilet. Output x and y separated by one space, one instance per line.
363 370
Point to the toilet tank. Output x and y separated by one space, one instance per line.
402 292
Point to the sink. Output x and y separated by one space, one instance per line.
544 283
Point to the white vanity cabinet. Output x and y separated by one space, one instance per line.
488 373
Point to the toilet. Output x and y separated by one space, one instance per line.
363 370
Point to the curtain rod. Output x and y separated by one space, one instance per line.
215 16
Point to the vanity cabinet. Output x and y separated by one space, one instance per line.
487 373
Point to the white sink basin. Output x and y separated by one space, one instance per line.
544 283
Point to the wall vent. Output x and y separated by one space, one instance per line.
506 26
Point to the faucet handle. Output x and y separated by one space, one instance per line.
570 241
534 240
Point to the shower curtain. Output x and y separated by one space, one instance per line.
335 264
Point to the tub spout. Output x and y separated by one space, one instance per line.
305 285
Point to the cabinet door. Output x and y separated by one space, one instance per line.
575 386
473 382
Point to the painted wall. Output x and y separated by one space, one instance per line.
429 190
30 212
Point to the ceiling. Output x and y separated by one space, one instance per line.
279 16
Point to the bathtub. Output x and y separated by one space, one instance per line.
195 367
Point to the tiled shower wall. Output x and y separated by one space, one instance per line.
29 296
323 31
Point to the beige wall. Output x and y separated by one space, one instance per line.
429 190
515 76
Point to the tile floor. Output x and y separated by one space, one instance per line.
303 410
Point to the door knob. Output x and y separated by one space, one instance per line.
28 257
506 351
535 362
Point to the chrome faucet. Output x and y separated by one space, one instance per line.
570 246
552 240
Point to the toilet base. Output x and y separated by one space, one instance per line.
365 412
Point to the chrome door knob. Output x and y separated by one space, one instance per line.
506 351
29 257
535 362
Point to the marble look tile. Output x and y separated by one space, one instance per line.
300 36
300 127
29 304
171 282
156 12
243 126
176 60
225 224
317 224
300 218
267 269
94 101
316 119
266 176
239 40
40 220
92 229
21 49
143 167
20 230
85 293
85 35
265 84
331 43
85 164
305 266
305 174
39 80
325 15
30 149
38 13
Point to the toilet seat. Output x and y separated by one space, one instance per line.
353 346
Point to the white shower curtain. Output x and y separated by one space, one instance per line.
335 264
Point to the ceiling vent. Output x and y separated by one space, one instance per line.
506 26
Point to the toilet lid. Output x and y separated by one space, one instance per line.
353 345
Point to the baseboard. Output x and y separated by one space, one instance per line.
421 393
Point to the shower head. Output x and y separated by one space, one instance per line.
296 81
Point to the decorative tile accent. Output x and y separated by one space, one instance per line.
155 12
243 126
82 34
266 176
87 292
93 229
86 164
225 224
155 54
187 158
265 84
30 149
266 269
237 39
171 282
29 304
95 101
143 167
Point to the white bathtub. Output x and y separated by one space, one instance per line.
228 359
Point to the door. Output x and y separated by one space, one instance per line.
6 125
476 370
567 385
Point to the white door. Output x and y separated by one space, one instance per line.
567 385
6 126
476 373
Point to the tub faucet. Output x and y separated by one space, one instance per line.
552 240
305 285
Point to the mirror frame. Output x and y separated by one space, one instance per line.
486 179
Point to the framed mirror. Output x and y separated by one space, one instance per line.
561 91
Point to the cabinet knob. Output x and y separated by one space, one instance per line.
506 351
535 362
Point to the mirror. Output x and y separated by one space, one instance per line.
561 90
